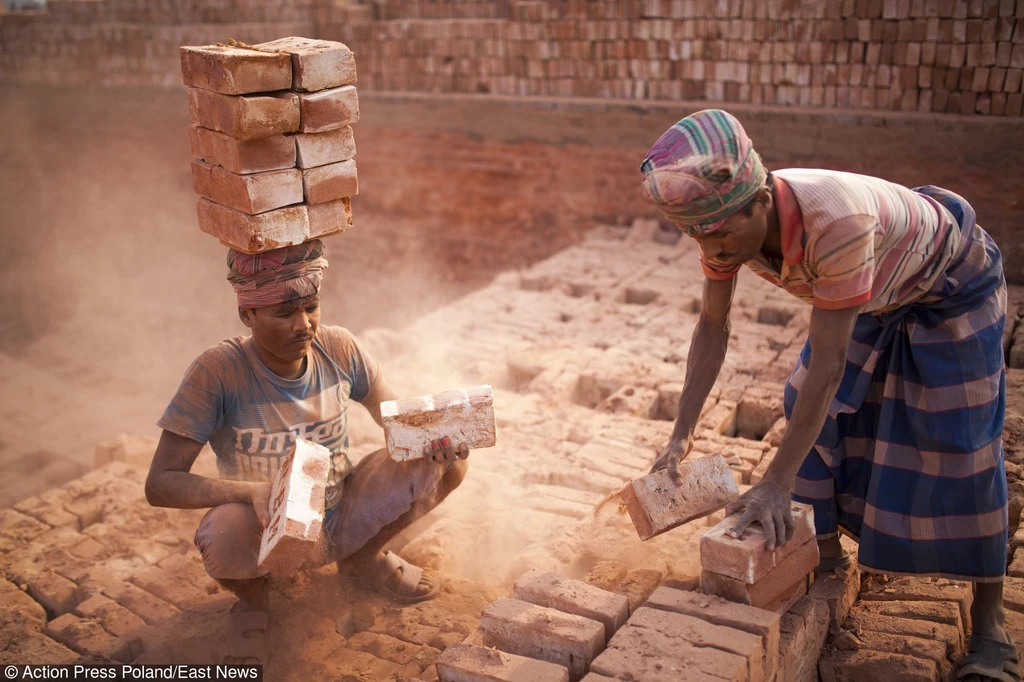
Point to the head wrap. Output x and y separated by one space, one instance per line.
702 170
276 276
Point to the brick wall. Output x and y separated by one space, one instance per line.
953 56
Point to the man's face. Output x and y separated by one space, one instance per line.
285 330
739 237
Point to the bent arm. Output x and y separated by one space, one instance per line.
169 483
381 391
830 334
707 353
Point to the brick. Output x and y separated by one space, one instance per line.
17 607
329 109
146 606
916 647
244 117
56 593
252 193
395 650
39 649
717 611
330 183
655 650
776 584
115 619
945 613
638 585
468 663
173 588
234 70
546 588
464 415
88 637
47 512
746 558
320 149
656 504
606 575
839 591
909 588
249 156
316 64
546 634
296 508
333 217
803 630
947 634
253 233
874 665
16 529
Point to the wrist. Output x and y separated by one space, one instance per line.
785 481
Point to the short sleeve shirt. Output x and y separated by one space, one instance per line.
853 240
250 416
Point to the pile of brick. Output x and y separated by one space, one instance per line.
272 141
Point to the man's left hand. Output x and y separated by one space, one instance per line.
769 504
442 451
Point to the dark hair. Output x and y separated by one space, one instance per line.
748 208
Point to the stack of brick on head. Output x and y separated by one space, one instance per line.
272 141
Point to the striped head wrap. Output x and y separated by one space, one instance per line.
276 276
702 170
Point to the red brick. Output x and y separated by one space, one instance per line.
254 233
950 636
115 619
946 613
331 182
169 586
546 588
803 630
17 607
775 584
329 109
253 193
662 653
873 665
916 647
656 505
538 632
38 648
16 529
146 606
316 64
244 117
908 588
334 217
468 663
54 592
88 637
49 513
249 156
839 590
764 624
234 70
320 149
746 558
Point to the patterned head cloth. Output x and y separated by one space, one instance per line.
277 276
703 169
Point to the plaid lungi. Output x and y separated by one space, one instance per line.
910 460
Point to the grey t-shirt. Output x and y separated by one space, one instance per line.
250 416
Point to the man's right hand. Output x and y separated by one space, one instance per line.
670 458
259 495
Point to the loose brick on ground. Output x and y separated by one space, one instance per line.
838 666
170 587
16 529
146 606
916 647
38 648
115 619
468 663
391 649
329 109
803 630
48 512
316 64
910 588
772 586
244 117
946 613
254 233
546 634
331 218
839 592
331 182
234 70
764 624
746 558
656 504
253 193
547 588
464 415
320 149
947 634
242 156
88 637
54 592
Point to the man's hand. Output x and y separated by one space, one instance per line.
442 451
769 504
670 458
259 496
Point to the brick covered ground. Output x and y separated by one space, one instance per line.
586 351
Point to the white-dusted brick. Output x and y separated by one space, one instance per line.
746 558
464 415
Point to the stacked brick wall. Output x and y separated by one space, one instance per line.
941 56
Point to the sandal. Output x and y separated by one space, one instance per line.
386 566
830 565
991 658
245 639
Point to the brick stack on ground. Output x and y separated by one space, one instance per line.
271 139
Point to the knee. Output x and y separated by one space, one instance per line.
228 538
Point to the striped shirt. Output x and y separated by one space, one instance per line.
852 240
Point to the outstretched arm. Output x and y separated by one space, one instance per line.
704 362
